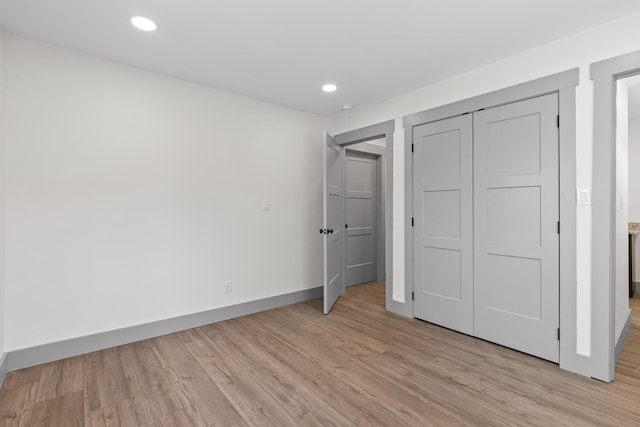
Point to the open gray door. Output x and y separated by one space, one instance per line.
333 223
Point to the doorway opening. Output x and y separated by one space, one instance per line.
364 213
361 251
627 205
364 205
611 210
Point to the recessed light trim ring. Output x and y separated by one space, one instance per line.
329 87
143 23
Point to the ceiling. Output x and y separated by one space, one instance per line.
282 51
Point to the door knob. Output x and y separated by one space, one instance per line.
330 231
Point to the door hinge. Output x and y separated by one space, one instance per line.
412 147
413 296
558 334
558 227
558 120
413 222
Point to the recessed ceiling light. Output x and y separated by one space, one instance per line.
347 106
329 87
144 24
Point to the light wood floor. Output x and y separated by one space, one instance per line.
295 366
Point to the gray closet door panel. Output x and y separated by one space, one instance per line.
443 213
516 212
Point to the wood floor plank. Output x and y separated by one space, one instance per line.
255 405
23 377
307 369
153 395
60 378
346 367
104 380
179 418
122 413
289 393
198 394
16 404
66 410
440 393
350 401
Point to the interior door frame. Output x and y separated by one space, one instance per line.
564 84
605 75
369 133
375 152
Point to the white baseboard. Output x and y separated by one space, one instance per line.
45 353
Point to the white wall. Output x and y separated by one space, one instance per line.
634 183
580 50
131 196
622 208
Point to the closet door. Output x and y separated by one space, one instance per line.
443 221
516 226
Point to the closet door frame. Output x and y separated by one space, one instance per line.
563 84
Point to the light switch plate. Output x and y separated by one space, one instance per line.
266 205
584 196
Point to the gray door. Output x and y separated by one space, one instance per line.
516 226
443 214
333 224
361 206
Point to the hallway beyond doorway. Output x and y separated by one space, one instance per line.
628 366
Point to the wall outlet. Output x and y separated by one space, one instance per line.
228 287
